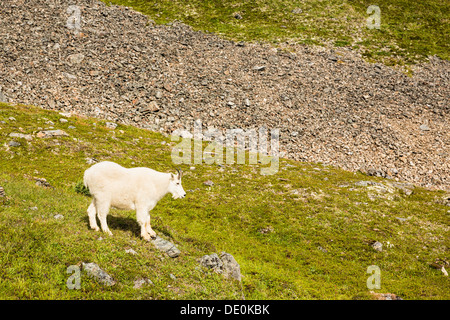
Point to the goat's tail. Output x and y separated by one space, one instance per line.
85 180
85 188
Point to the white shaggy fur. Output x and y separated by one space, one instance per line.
140 189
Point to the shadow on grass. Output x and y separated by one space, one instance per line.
118 223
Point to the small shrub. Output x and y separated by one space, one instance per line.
80 188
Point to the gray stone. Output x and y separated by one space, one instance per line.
69 76
140 282
3 98
212 261
75 58
42 182
27 137
94 271
166 246
378 246
406 187
111 125
58 216
130 251
259 68
231 268
51 133
13 143
363 183
424 127
91 160
208 183
225 264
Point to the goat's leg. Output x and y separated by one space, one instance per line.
149 229
143 218
92 211
102 212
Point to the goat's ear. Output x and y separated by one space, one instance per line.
172 176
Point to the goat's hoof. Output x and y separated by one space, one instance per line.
146 237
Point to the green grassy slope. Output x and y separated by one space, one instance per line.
303 233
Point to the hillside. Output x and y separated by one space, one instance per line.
330 105
364 170
308 232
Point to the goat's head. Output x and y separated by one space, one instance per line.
175 187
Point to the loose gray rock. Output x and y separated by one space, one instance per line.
27 137
3 98
266 230
140 282
130 251
225 264
51 133
378 246
208 183
259 68
42 182
424 127
75 58
363 183
402 219
91 160
231 268
94 271
69 76
237 16
166 246
58 216
212 261
13 143
385 296
2 192
111 125
405 187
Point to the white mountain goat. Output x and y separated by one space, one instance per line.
140 189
